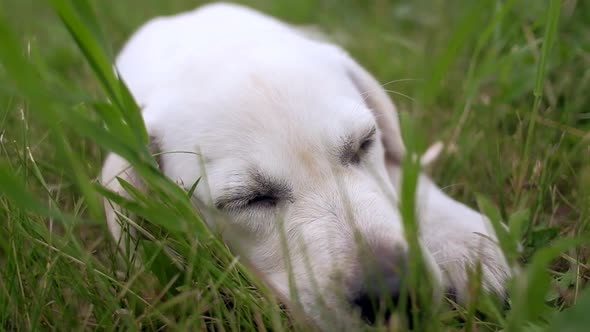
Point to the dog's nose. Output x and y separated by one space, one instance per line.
381 288
374 301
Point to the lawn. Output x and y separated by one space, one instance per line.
505 85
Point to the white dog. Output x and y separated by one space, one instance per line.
291 135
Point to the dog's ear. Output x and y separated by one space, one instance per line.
383 109
117 167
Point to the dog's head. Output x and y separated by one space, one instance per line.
294 157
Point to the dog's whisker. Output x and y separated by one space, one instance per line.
401 94
401 80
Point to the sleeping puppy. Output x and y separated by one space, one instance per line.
300 149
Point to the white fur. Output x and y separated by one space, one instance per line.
247 92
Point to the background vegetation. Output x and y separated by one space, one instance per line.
503 83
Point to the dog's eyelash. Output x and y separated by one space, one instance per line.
255 192
366 144
254 200
362 150
354 149
262 200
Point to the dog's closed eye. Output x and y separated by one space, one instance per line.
248 200
363 148
258 191
353 149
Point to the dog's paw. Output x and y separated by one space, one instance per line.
466 253
460 240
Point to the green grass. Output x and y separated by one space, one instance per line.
503 83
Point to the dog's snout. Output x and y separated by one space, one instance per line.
381 286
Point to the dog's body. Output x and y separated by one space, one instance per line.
290 134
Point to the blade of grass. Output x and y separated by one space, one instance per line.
27 81
101 64
551 25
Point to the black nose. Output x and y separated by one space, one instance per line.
374 302
381 288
